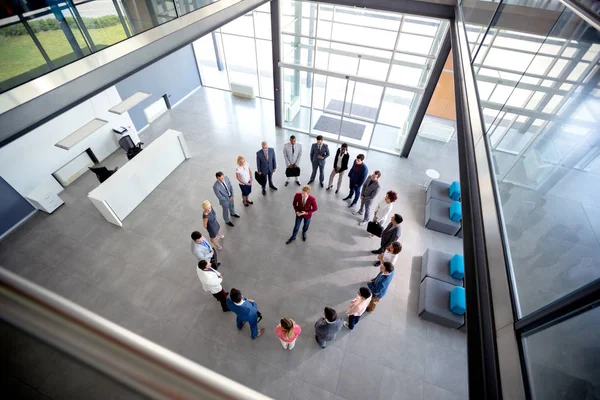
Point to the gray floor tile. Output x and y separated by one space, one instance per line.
368 339
405 353
305 391
446 368
321 367
154 294
431 392
359 378
400 386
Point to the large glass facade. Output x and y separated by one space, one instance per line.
239 53
355 75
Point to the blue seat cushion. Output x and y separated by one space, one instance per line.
454 191
456 211
458 300
457 266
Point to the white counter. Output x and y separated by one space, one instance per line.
120 194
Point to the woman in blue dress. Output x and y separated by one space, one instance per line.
209 219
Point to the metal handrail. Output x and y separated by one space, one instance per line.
126 357
586 13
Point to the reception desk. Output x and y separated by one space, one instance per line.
120 194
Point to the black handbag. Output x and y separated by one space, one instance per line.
258 317
374 228
260 178
292 172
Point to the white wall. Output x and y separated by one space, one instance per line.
29 161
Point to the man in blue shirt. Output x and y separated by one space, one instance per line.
358 175
379 285
245 310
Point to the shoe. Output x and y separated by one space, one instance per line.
221 237
250 202
290 240
226 310
304 238
329 187
346 325
243 324
235 215
246 204
218 264
322 184
286 183
376 251
377 263
260 332
357 212
219 247
273 187
264 193
311 181
298 183
351 205
230 223
347 198
336 191
361 223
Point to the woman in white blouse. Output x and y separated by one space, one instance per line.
243 173
384 207
390 254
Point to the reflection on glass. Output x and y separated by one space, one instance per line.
187 6
297 50
264 55
297 92
395 107
562 360
243 26
211 63
240 53
103 24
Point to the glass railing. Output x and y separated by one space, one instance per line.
40 36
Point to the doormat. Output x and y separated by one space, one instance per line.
332 125
355 109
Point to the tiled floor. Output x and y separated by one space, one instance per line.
143 276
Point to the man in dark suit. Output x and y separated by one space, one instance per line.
340 164
318 153
224 192
390 234
368 193
358 174
245 310
266 164
304 206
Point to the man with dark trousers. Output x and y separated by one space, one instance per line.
211 282
390 234
318 154
358 174
304 205
245 310
266 164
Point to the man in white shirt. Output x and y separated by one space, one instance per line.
203 250
211 282
291 154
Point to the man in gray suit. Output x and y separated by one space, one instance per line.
224 192
327 326
369 191
318 153
266 164
291 154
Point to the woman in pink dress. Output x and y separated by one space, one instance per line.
288 331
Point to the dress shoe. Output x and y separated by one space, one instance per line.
264 192
290 240
329 187
260 332
250 202
377 263
356 212
311 181
235 215
303 237
361 223
351 205
336 191
230 223
218 264
246 204
347 198
273 187
322 184
286 183
243 324
298 183
376 251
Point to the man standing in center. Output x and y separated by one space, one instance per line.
211 282
224 192
318 153
245 310
266 164
369 192
304 205
358 174
291 154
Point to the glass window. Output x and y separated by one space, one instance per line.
395 107
103 24
264 54
414 44
243 26
262 25
240 53
211 63
562 360
298 50
297 92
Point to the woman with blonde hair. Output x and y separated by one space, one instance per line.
244 177
209 220
288 331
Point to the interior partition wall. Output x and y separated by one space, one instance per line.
355 75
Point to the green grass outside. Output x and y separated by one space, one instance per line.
19 54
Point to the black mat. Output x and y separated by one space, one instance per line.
354 109
332 125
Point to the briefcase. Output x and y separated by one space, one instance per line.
261 179
292 172
374 228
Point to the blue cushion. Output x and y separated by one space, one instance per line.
456 211
457 266
458 300
454 191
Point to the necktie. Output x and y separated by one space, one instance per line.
226 188
388 228
293 149
303 202
319 147
267 155
205 244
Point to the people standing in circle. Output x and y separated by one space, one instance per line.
244 176
209 219
390 254
266 165
358 174
370 189
245 310
358 305
390 234
203 250
287 331
304 205
327 327
318 154
291 154
211 282
379 285
340 164
224 192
